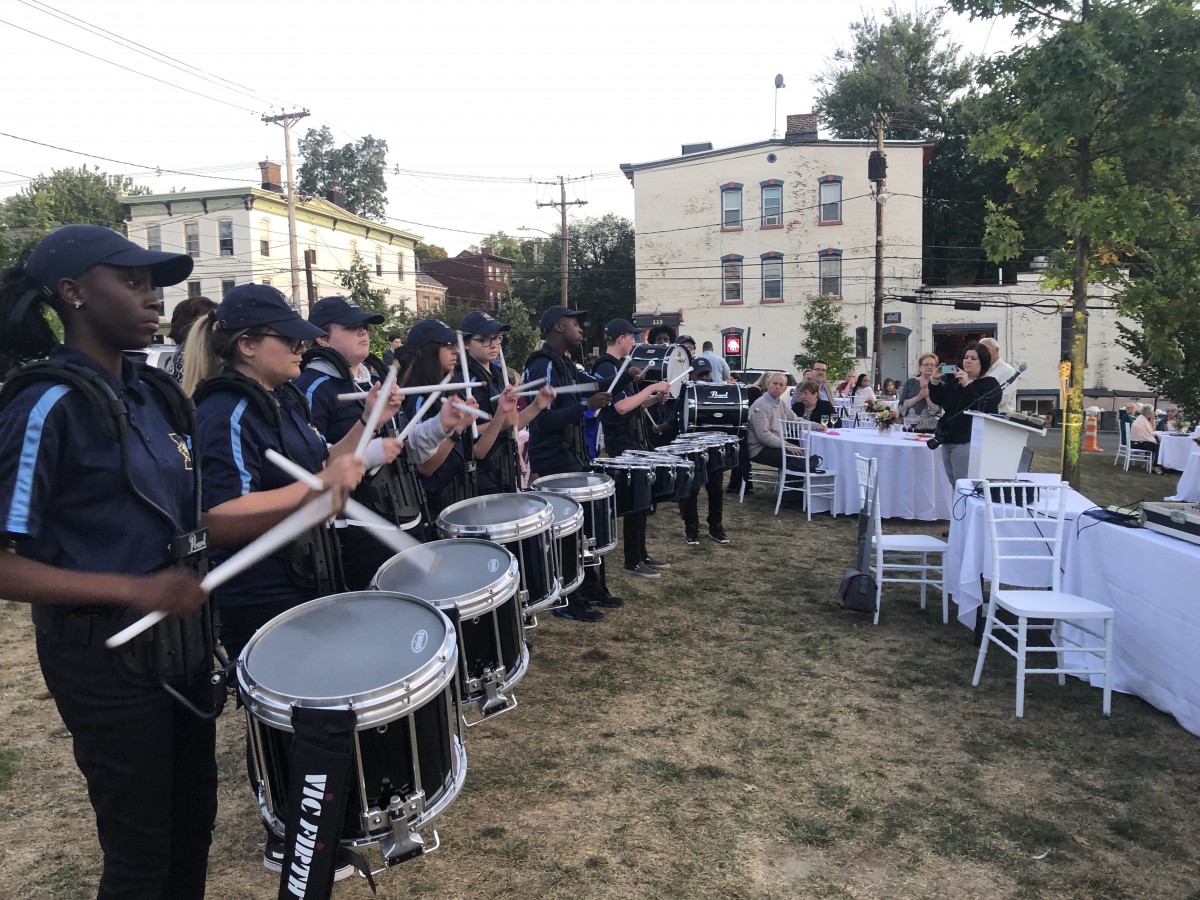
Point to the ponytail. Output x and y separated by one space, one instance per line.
207 350
24 332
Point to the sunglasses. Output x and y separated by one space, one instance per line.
295 345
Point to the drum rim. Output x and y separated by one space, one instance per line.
501 532
473 603
374 707
606 487
563 527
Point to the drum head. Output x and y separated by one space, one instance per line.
568 515
580 485
372 649
466 574
498 517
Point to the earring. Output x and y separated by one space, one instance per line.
79 304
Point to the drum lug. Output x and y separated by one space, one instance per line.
495 701
403 843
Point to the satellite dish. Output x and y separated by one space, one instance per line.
779 81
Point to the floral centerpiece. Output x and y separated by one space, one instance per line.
883 414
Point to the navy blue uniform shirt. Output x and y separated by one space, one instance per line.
618 434
63 499
457 457
233 437
493 378
550 431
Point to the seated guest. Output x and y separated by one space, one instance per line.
1172 420
1142 436
809 406
741 472
860 394
891 390
914 396
762 435
1128 414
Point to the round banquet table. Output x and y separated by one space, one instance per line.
1189 481
912 479
1174 450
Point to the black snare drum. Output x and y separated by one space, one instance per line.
390 658
661 362
568 539
475 584
634 480
722 448
672 474
697 455
595 493
714 407
521 524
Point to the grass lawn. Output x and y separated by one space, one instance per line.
728 734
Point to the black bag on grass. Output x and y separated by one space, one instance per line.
858 589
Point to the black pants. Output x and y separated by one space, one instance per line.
634 538
741 472
1149 446
689 507
150 767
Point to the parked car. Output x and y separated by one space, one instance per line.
157 355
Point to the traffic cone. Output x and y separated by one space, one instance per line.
1090 426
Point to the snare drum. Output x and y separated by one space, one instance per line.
672 475
475 584
521 524
722 448
389 657
595 493
568 539
633 479
714 407
697 455
661 362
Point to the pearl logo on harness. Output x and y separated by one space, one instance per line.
419 640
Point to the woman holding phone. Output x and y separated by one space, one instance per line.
967 387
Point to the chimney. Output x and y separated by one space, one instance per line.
335 196
271 180
802 127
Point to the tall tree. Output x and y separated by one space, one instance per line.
500 244
1094 118
356 168
425 251
826 337
601 272
357 282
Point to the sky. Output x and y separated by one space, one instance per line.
479 102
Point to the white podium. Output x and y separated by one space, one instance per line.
996 445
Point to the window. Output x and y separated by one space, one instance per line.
191 239
731 205
193 288
831 200
267 282
225 236
400 266
153 237
772 203
227 286
378 262
830 263
731 278
264 237
772 277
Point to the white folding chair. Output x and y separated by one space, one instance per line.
759 473
916 558
1025 527
1130 455
794 474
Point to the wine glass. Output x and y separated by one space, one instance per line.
825 421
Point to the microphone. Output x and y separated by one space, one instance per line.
1014 376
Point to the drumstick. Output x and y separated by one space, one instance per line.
381 402
470 410
257 550
682 374
418 389
566 389
412 423
462 358
527 386
516 434
621 371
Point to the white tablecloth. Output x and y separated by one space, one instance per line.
912 479
1174 450
1189 481
1149 580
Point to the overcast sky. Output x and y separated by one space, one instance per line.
487 93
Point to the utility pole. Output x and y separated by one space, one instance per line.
877 172
286 120
562 204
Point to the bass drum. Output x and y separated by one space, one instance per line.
713 407
661 362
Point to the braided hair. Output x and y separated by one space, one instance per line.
25 332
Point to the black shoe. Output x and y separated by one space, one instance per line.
692 537
641 569
609 602
734 488
273 854
655 563
578 613
717 533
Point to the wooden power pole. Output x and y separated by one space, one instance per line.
286 120
877 172
562 205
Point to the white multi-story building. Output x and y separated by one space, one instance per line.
742 237
240 234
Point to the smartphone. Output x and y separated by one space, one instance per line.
949 370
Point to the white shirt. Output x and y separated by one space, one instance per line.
1002 371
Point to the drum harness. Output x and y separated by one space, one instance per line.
633 425
560 371
500 463
174 648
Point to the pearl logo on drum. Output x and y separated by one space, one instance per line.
419 640
493 565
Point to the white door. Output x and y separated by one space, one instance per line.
895 357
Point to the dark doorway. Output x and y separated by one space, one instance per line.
951 341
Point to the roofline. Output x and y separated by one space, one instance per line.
629 168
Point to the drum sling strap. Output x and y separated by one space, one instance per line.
321 755
175 650
500 463
563 372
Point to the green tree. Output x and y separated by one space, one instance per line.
425 251
524 336
357 282
500 244
601 272
1096 120
825 337
357 168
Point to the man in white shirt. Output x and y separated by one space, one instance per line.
720 368
1001 371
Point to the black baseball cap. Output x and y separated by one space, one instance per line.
686 339
341 311
554 313
430 331
619 328
480 323
71 250
251 305
701 366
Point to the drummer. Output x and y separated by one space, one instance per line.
689 507
556 438
496 450
625 428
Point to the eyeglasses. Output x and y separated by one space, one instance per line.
295 345
449 345
489 341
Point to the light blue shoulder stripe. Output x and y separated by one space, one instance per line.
312 387
18 512
235 436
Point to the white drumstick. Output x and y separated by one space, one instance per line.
516 434
621 371
566 389
470 410
462 358
419 389
680 376
433 398
381 402
526 387
257 550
